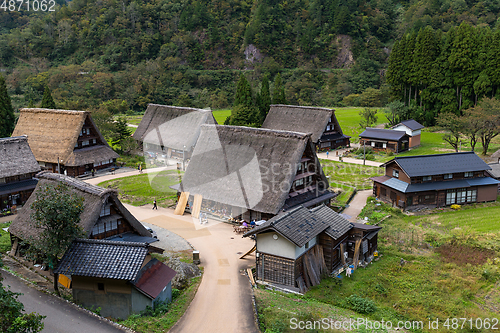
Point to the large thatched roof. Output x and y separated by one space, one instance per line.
245 167
303 119
172 126
52 134
16 157
94 196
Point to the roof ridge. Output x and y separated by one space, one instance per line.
180 108
282 133
14 138
42 110
287 213
109 242
430 155
75 183
304 107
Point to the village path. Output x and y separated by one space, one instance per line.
356 205
61 316
99 178
223 302
332 157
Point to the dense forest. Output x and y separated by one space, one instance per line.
125 54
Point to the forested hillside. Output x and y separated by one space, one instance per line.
191 52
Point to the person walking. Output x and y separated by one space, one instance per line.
140 168
154 205
93 172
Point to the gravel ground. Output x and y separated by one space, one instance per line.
167 240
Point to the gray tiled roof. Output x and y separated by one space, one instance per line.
338 224
495 169
300 225
382 134
412 124
428 165
103 259
403 187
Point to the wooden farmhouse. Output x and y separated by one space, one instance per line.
252 173
69 139
18 167
321 122
171 130
295 248
413 129
380 139
103 216
121 278
435 180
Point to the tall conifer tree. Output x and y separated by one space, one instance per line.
7 118
278 91
47 101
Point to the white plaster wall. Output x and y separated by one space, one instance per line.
300 250
407 130
280 247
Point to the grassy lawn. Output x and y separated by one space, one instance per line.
221 115
346 177
349 120
142 189
162 322
448 272
131 161
134 120
4 238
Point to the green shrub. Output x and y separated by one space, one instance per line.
360 304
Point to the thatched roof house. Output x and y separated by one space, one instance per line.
257 172
70 138
321 122
171 129
17 168
103 215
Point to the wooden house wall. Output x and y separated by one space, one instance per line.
330 252
487 193
275 269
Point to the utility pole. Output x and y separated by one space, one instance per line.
364 152
183 159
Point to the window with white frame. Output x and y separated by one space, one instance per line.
105 210
395 173
468 174
426 178
471 195
450 197
373 144
461 195
85 143
299 182
448 176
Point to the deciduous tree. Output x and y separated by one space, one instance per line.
368 117
454 126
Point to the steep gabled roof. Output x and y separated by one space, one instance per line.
246 167
103 259
172 126
382 134
304 119
52 134
428 165
16 157
94 198
411 124
300 225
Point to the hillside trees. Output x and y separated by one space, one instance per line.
47 100
244 112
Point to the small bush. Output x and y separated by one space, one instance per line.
455 207
360 304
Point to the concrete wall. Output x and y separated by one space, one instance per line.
279 247
139 301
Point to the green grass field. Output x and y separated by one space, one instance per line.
4 238
221 115
449 271
349 119
143 189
